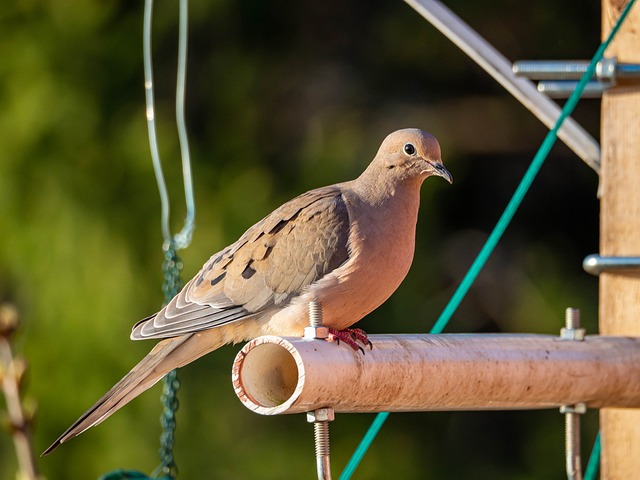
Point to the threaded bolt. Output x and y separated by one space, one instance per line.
550 69
572 318
321 436
315 313
321 418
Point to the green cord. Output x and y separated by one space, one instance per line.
594 460
496 234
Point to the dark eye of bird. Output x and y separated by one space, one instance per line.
409 149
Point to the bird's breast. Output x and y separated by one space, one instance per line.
381 248
382 243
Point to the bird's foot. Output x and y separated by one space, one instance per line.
350 336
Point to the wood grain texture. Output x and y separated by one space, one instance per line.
620 234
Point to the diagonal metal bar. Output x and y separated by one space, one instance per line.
497 65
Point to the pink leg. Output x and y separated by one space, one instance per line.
350 336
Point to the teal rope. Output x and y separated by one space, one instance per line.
498 230
594 460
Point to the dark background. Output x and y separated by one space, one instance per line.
283 96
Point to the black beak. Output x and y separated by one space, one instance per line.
438 169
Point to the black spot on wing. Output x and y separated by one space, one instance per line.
218 279
248 272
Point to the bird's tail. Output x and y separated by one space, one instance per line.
165 356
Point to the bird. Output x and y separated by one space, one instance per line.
346 246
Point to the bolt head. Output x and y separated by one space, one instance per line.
321 415
572 334
311 333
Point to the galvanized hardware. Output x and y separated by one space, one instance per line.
558 78
564 88
573 460
595 264
320 419
321 416
572 330
315 329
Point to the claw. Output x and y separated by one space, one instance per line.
350 336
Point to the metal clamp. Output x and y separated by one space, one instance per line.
595 264
559 78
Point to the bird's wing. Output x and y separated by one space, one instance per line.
274 260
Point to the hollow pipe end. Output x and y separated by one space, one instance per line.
267 375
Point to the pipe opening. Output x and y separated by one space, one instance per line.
269 375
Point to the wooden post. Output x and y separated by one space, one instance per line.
620 234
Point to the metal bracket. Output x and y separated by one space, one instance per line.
595 264
558 78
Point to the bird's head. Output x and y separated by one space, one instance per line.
410 154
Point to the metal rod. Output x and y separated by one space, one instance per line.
323 462
564 88
320 419
573 457
274 375
608 69
573 460
595 264
572 446
322 416
550 69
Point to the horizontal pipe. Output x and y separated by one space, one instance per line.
275 375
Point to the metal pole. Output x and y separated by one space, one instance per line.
274 375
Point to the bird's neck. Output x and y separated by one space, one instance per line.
384 193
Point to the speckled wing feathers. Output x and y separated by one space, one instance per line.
267 267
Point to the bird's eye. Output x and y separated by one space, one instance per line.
409 149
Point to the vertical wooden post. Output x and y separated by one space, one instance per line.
620 234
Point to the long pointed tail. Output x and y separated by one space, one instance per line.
165 356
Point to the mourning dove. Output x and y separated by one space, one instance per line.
347 246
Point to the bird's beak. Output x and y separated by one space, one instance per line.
439 170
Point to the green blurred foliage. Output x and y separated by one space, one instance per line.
283 96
